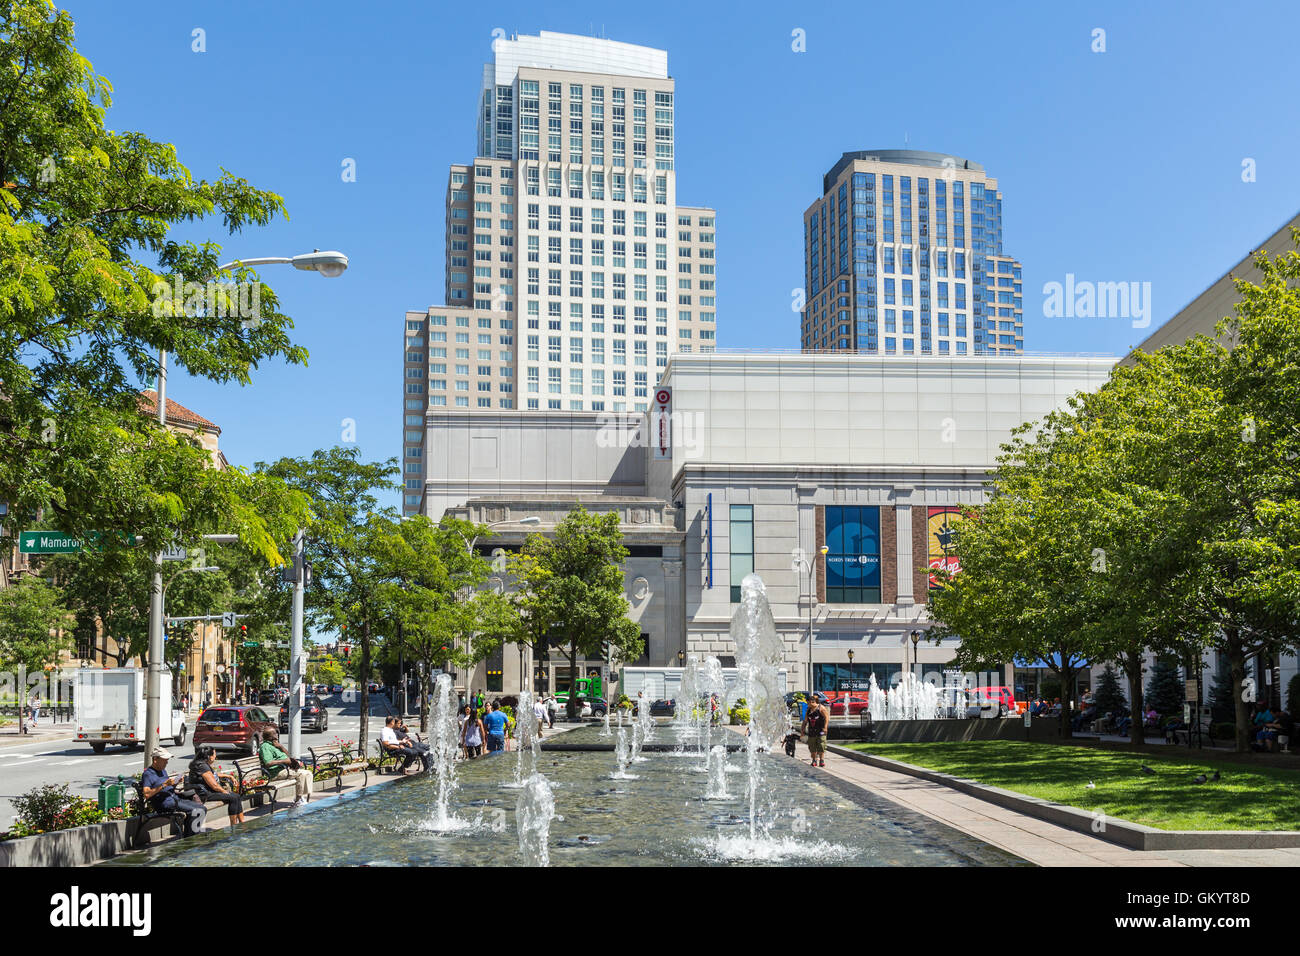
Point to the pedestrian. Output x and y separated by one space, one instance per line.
551 708
540 712
495 723
471 735
275 762
814 725
160 791
35 708
208 785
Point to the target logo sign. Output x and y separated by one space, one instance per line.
661 424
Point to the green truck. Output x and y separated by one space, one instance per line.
590 693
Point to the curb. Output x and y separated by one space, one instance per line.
1135 836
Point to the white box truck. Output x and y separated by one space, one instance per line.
109 707
665 683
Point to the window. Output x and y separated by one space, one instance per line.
853 558
741 536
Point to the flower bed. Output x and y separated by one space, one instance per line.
52 807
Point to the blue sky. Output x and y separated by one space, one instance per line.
1117 166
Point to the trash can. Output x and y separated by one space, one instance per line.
111 794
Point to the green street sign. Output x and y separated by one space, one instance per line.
56 542
252 644
50 542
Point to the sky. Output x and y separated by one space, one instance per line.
1153 152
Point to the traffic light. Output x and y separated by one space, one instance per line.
243 630
347 652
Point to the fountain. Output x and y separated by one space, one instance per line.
644 718
759 654
711 686
525 739
685 704
875 701
606 732
446 749
910 699
622 757
717 774
533 814
638 737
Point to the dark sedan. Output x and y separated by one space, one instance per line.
314 717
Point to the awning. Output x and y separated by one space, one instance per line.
1055 662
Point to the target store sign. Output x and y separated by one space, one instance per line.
661 427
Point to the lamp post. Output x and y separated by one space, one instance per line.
850 687
916 637
328 264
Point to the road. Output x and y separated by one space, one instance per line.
24 766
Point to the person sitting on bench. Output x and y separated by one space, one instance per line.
395 744
207 783
275 762
160 790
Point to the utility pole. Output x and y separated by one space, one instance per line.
295 647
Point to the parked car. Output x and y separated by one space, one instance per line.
1003 699
313 715
857 704
232 728
663 708
266 698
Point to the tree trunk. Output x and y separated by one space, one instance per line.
1133 671
1067 679
1240 707
365 687
572 707
425 680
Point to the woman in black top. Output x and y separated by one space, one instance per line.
208 786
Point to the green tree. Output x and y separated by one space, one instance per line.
436 589
1164 690
573 585
86 215
326 671
1222 696
32 625
347 547
1109 695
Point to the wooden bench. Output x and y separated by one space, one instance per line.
145 813
335 761
254 784
387 756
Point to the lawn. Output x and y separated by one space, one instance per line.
1245 797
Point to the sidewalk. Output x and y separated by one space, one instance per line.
42 730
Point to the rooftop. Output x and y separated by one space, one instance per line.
910 157
578 54
177 414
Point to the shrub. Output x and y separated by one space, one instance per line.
52 807
739 712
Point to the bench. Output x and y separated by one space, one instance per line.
387 756
1173 734
145 813
254 783
334 760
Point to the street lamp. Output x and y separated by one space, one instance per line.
681 658
824 549
850 687
916 637
328 264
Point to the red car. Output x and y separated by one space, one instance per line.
857 704
232 728
1001 697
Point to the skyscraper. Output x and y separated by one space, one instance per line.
903 255
572 272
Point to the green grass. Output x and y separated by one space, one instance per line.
1245 798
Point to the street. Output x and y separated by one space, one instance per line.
54 760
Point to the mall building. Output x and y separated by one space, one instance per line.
757 462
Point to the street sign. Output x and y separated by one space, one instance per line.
51 542
228 619
174 553
252 644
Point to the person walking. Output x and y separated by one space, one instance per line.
35 708
814 725
540 712
496 723
551 708
471 735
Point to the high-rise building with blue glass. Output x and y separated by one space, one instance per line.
903 256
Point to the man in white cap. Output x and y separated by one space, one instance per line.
160 791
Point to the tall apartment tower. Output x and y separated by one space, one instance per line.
903 256
572 271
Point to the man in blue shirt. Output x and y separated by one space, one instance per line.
495 723
160 791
